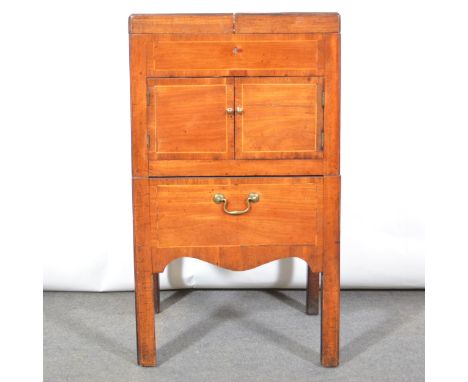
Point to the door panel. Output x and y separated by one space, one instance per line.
280 118
187 118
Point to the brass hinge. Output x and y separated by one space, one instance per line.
148 139
323 98
322 139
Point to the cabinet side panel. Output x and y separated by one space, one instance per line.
332 106
138 44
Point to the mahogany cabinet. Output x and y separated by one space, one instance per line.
235 152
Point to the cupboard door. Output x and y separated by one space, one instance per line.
190 118
279 118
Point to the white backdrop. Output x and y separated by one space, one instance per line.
85 228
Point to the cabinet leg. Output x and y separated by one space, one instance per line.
330 321
331 274
312 292
144 295
156 292
146 341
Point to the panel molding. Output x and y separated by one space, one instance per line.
296 133
184 94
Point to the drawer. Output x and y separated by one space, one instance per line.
237 53
183 213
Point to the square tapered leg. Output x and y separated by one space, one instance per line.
146 341
144 289
156 292
331 274
312 291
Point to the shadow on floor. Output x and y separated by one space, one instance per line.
195 333
282 340
393 321
91 333
384 320
285 299
174 298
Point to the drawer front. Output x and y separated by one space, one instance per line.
235 55
183 214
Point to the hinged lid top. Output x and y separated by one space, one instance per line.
236 23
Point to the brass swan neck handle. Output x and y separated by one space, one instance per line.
252 198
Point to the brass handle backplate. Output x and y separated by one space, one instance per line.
252 198
230 110
239 109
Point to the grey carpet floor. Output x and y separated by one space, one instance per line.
233 335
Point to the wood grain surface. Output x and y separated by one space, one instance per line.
186 222
287 23
331 273
138 93
181 23
282 118
251 167
331 164
187 118
283 70
144 303
235 23
233 52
